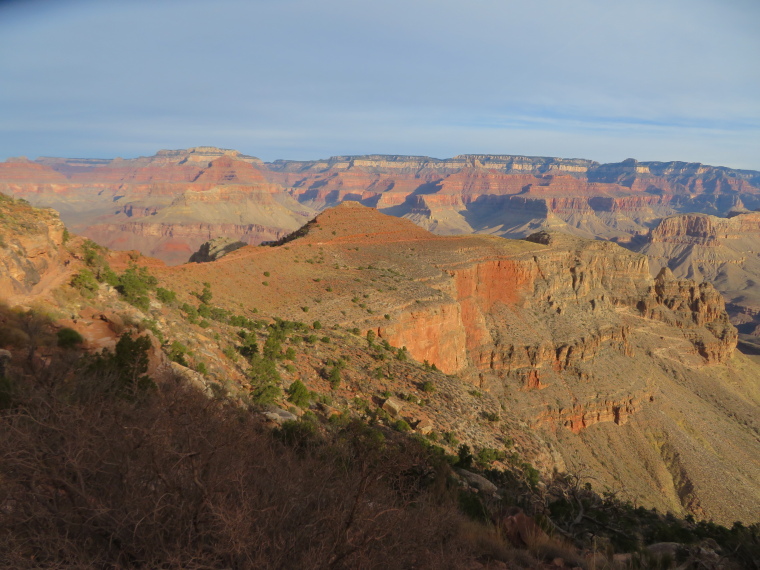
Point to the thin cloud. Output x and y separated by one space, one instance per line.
280 79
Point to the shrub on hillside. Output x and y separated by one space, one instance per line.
69 338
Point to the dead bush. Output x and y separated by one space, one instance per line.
173 479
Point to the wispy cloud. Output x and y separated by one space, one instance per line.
291 78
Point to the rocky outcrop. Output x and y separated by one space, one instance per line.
215 249
580 416
703 229
721 251
30 245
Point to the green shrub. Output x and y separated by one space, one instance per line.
219 315
402 426
177 352
166 296
263 370
427 386
69 338
85 282
126 366
93 253
464 457
152 326
316 325
273 345
298 434
334 377
229 352
205 295
299 394
488 455
265 394
532 475
134 285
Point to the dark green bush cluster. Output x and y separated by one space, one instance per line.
166 296
69 338
332 373
134 285
177 352
299 394
249 346
85 282
265 378
123 369
487 455
246 323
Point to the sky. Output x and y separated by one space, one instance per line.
307 79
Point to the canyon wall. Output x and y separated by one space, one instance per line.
510 196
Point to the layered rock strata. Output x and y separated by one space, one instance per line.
511 196
30 246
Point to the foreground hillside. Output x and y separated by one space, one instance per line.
168 204
364 349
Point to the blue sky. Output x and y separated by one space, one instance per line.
300 79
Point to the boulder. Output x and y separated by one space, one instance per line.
478 481
280 416
393 406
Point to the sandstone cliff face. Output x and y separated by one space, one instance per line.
30 243
722 251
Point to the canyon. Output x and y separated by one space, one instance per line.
617 363
166 205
